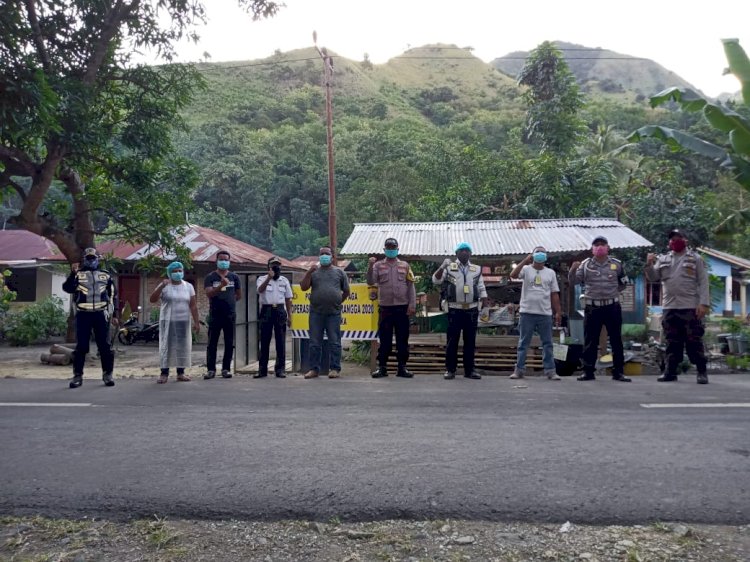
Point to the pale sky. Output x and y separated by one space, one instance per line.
683 37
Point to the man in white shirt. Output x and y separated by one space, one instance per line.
540 297
275 296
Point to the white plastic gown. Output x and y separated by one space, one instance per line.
175 338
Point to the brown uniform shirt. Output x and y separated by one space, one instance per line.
395 282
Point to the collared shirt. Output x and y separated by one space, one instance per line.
467 279
395 282
603 280
684 280
277 290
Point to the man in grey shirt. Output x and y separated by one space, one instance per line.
330 288
685 301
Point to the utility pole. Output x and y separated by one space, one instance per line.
328 77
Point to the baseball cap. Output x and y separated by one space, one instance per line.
274 259
675 232
90 252
599 238
391 242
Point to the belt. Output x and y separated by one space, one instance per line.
272 305
463 305
602 302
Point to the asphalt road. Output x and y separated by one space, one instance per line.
364 449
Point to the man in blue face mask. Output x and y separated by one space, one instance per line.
540 299
223 289
275 298
95 299
329 288
397 300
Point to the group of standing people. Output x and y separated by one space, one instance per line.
681 272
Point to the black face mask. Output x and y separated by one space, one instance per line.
276 271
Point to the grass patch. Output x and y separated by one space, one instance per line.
157 532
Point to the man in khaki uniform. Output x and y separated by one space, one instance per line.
397 300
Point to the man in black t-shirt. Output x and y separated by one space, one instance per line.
223 290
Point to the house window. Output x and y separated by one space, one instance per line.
653 294
23 282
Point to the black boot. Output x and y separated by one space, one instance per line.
667 378
76 381
702 378
449 375
404 373
108 380
620 377
587 377
473 375
379 373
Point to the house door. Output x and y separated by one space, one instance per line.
129 289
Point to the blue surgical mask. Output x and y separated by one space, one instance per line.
222 264
391 253
540 257
176 275
325 259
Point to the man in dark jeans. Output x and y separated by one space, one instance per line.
275 298
223 290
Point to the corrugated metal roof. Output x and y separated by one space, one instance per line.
742 263
491 238
21 245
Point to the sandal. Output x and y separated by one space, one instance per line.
162 379
183 378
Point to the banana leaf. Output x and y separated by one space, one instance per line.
677 140
739 65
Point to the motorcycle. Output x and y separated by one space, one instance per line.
133 331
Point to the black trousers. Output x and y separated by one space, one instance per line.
85 323
594 318
220 323
465 321
393 319
683 329
272 323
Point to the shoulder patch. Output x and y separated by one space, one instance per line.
454 266
473 268
410 275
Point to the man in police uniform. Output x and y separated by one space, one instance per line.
275 294
685 302
94 295
604 279
397 301
464 289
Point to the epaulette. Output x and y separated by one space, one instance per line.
473 267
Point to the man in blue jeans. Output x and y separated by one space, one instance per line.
330 287
540 297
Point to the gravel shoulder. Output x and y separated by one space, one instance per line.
37 539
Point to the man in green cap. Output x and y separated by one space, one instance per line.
462 284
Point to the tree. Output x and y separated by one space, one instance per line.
85 134
553 101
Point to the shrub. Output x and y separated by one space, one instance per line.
36 322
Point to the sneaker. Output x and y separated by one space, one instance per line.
209 375
334 374
667 378
620 377
281 375
226 374
516 375
260 375
587 377
311 374
76 381
449 375
379 373
108 380
702 378
473 375
552 375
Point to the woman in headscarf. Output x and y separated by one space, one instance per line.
178 304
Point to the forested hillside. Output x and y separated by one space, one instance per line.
434 134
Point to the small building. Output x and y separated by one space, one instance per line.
731 299
34 276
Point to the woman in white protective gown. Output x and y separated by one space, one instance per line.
178 305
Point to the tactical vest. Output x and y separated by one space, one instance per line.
92 291
448 289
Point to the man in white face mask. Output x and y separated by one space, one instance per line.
604 279
540 298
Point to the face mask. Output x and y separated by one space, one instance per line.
222 264
325 259
540 257
176 275
677 245
91 264
600 251
276 271
391 253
